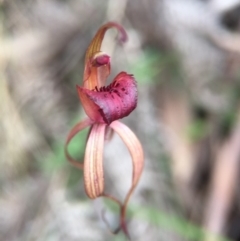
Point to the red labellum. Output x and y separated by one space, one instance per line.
113 102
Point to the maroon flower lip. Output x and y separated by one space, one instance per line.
116 100
104 106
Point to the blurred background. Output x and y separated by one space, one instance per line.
185 55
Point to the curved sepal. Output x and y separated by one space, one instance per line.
95 75
136 151
93 162
96 43
75 130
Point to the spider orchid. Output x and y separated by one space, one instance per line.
104 105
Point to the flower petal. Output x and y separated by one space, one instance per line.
96 75
93 162
113 102
75 130
136 151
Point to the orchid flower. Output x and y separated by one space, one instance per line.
104 105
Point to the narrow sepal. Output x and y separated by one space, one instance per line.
136 151
75 130
96 74
96 43
93 162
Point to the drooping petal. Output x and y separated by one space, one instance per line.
93 162
110 103
136 151
96 75
75 130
